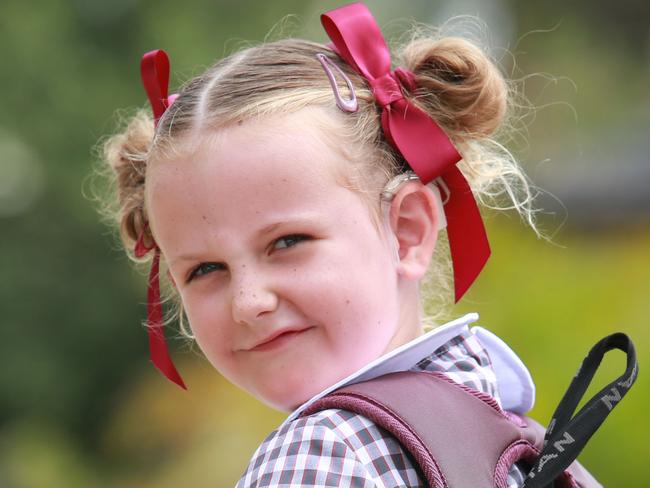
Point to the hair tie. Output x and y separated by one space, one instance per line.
406 78
154 69
356 37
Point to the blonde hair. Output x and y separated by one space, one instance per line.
457 85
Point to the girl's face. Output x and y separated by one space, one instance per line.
286 282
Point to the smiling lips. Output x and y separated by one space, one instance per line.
277 339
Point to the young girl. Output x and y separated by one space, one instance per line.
297 194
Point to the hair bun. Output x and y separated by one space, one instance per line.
126 154
458 85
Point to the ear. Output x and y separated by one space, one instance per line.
414 221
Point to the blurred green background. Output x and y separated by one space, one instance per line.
79 403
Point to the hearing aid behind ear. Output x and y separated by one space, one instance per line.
435 186
388 193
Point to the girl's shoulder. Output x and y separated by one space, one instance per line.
330 448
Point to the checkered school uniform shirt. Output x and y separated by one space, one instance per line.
337 448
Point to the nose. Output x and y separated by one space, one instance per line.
252 297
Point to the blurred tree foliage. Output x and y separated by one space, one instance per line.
80 406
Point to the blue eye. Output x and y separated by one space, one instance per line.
203 269
283 242
289 241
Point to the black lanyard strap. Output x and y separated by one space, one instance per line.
566 436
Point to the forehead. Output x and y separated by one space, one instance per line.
272 164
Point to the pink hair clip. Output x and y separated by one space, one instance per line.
351 105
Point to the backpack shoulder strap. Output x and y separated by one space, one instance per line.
455 434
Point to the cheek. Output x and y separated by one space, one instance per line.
356 296
339 288
208 323
373 291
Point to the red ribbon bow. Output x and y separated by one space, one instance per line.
425 147
154 69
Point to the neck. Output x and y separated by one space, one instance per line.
410 324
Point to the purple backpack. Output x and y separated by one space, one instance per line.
460 437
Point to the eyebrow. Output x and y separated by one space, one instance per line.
268 229
272 227
296 220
